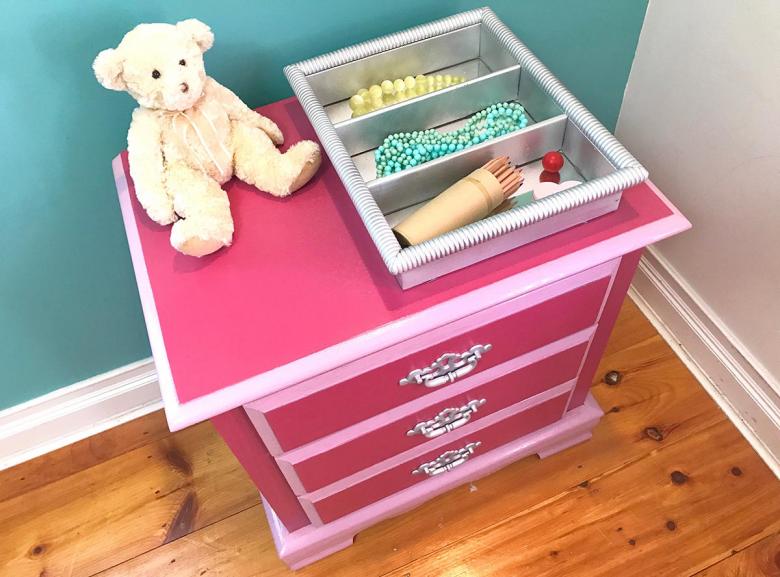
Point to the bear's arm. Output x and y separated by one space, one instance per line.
239 111
144 147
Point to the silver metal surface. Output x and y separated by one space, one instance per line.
492 52
537 103
582 153
428 111
446 421
332 84
447 368
447 461
340 111
545 96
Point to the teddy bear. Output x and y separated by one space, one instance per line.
190 135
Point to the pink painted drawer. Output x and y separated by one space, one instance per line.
343 397
348 451
394 475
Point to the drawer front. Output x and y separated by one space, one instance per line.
470 445
349 451
294 422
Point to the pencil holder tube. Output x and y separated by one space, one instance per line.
470 199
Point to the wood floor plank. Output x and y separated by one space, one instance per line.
632 327
82 455
658 396
761 559
182 507
240 546
123 507
667 514
237 547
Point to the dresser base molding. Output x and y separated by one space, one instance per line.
311 543
564 444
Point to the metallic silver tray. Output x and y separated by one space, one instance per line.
498 67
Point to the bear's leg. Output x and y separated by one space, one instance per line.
205 224
258 162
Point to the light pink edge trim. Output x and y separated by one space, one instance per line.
312 543
256 410
181 415
346 352
442 331
290 459
170 400
470 430
263 427
593 334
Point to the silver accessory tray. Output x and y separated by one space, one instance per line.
498 67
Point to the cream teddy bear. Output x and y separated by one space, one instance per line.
190 135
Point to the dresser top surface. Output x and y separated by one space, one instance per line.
303 276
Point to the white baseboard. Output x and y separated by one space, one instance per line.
744 391
77 412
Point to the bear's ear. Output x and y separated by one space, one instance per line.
200 32
108 69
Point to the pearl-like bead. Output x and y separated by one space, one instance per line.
390 92
404 150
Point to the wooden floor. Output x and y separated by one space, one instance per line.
666 487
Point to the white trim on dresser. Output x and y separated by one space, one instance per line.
77 411
743 389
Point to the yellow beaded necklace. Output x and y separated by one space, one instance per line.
392 91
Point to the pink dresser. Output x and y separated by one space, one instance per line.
349 400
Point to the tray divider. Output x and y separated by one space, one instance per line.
429 53
430 110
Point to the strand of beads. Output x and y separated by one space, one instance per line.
403 150
392 91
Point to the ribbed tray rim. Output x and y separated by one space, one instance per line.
399 260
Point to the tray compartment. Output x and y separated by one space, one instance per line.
423 182
338 83
581 152
498 68
432 110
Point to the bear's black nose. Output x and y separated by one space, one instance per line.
184 87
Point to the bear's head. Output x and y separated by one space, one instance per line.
160 65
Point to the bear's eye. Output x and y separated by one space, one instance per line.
182 62
155 74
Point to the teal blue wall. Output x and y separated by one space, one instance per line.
68 303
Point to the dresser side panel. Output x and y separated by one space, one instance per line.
609 315
240 435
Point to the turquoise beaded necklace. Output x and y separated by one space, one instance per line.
403 150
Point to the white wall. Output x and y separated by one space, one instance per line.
702 113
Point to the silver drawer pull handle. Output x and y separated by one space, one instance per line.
446 421
447 461
447 368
